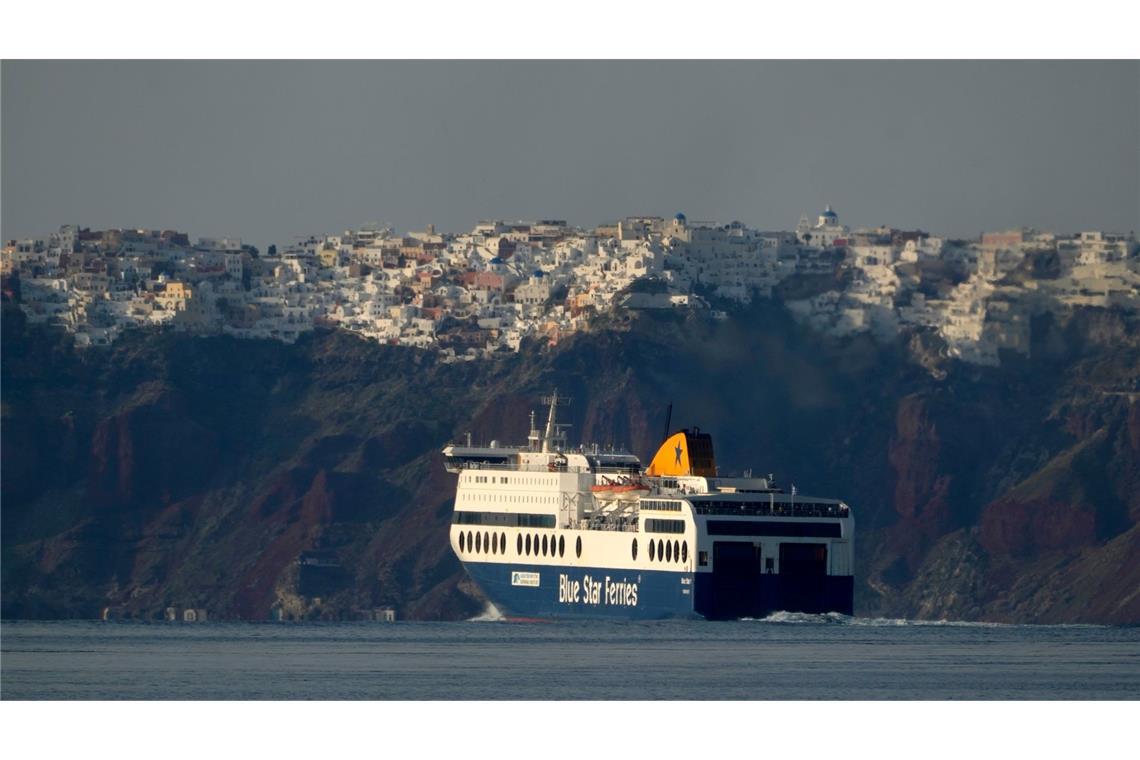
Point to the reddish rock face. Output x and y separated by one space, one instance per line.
1026 528
914 456
149 454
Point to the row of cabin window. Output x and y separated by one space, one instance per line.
665 551
504 519
516 481
771 506
656 525
490 543
483 543
514 498
661 506
524 547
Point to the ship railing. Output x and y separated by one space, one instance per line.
617 526
779 509
523 467
583 450
629 471
553 467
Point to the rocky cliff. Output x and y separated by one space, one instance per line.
256 479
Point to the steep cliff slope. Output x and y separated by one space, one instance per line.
195 472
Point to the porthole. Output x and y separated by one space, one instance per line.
652 550
677 550
633 551
684 551
578 547
518 545
494 544
528 545
478 542
502 543
561 546
544 546
668 552
462 542
536 544
487 542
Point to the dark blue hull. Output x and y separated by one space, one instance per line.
544 591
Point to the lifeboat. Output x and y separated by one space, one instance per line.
620 487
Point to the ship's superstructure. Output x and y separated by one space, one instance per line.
548 531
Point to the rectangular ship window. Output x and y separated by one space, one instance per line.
664 526
506 519
772 528
703 559
664 506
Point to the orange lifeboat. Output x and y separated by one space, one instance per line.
619 487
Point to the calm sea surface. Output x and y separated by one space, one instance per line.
784 657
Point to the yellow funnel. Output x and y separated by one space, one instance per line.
688 452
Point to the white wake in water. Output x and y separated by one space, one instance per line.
489 614
835 618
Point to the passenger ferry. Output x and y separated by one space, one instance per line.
546 531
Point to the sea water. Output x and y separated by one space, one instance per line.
786 656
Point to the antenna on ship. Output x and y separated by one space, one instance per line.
668 419
555 433
532 437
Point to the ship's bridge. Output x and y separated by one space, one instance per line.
770 505
494 457
458 457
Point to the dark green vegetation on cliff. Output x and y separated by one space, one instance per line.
180 471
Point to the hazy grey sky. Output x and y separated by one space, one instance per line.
268 150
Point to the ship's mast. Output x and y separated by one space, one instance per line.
554 437
551 425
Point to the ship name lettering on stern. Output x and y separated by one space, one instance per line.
568 590
621 593
597 592
593 590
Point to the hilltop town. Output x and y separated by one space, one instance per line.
474 294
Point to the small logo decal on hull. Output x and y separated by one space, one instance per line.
524 579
